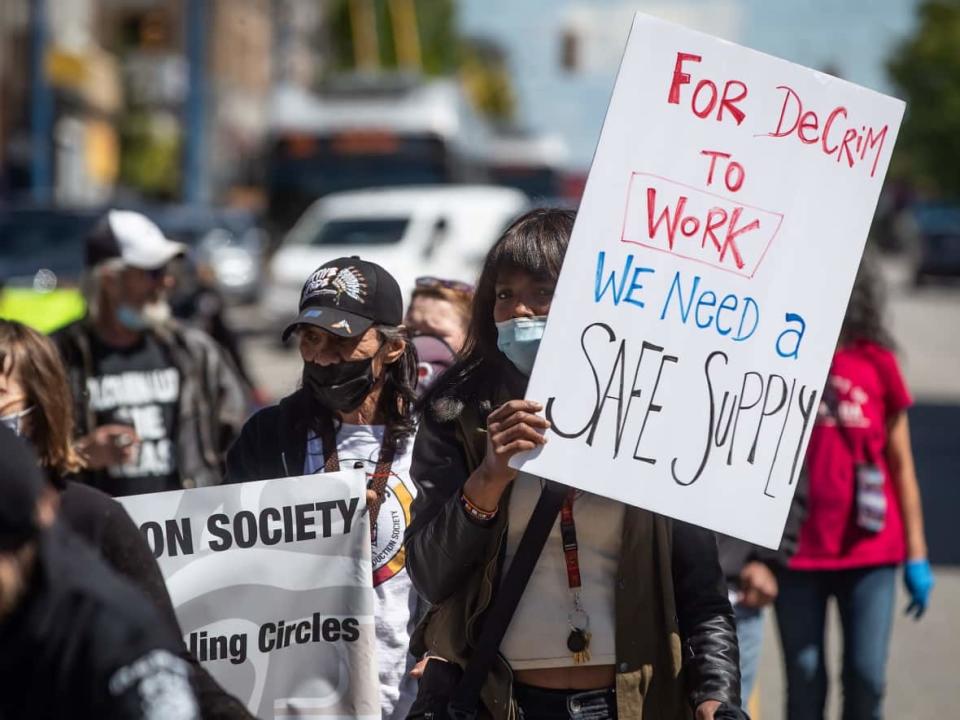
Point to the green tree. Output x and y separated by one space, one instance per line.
486 78
480 64
926 71
436 26
150 151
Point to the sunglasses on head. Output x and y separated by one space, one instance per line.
156 274
433 283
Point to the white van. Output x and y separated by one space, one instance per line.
442 231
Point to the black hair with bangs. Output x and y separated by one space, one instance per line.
534 243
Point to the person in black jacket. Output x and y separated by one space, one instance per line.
35 402
626 613
356 407
76 639
197 301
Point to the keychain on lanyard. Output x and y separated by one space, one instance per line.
578 641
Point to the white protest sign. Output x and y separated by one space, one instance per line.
706 280
272 585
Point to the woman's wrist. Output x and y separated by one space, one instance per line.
478 506
477 514
482 490
916 546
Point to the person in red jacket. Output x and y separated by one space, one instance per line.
864 520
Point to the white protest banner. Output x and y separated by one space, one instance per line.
706 280
272 585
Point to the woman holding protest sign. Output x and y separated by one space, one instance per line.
355 406
864 518
602 614
35 403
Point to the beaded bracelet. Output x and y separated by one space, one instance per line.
477 513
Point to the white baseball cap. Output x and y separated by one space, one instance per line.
134 239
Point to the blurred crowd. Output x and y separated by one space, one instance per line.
427 389
352 174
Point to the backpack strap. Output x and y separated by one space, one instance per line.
465 701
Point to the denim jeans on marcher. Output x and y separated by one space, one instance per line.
750 639
865 599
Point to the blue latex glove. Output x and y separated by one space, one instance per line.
918 577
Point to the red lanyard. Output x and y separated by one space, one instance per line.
578 641
381 474
568 535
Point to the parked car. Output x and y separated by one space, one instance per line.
228 241
41 261
441 230
936 231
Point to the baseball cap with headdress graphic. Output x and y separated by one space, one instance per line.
347 296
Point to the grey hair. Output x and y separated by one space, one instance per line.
391 333
400 385
91 284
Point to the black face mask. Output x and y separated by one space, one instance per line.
340 387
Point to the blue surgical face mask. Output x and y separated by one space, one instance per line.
150 315
14 421
131 319
519 340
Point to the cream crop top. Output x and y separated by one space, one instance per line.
537 636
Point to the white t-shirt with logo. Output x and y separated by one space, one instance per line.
395 606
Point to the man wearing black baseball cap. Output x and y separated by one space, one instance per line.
347 296
77 640
354 408
156 403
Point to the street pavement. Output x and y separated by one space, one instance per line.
925 655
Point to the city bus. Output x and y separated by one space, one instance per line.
359 133
531 162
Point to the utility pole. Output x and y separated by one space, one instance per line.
194 157
41 106
280 47
4 10
406 35
366 41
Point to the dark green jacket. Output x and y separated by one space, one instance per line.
675 637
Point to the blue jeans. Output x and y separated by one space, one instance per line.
865 598
750 639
